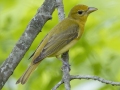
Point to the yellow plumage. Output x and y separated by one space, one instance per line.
60 39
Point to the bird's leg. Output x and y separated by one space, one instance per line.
64 63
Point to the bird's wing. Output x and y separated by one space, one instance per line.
36 49
58 41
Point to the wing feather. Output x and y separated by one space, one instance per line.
57 42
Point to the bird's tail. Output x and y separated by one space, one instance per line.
27 73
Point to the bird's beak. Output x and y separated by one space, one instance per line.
91 9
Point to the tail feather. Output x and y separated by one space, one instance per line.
27 74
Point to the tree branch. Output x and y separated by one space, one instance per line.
88 77
60 8
34 27
66 69
94 78
57 85
65 56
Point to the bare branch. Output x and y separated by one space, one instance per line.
65 56
88 77
60 8
95 78
57 85
66 69
34 27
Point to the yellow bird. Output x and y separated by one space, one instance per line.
60 39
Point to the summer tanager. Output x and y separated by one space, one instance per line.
60 39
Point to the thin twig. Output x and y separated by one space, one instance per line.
88 77
57 85
25 41
65 56
60 8
95 78
66 76
66 70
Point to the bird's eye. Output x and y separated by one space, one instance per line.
80 12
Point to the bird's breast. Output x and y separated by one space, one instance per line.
67 47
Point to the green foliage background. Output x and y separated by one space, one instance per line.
97 53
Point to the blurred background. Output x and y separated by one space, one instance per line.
97 53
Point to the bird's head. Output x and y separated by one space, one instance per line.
81 12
